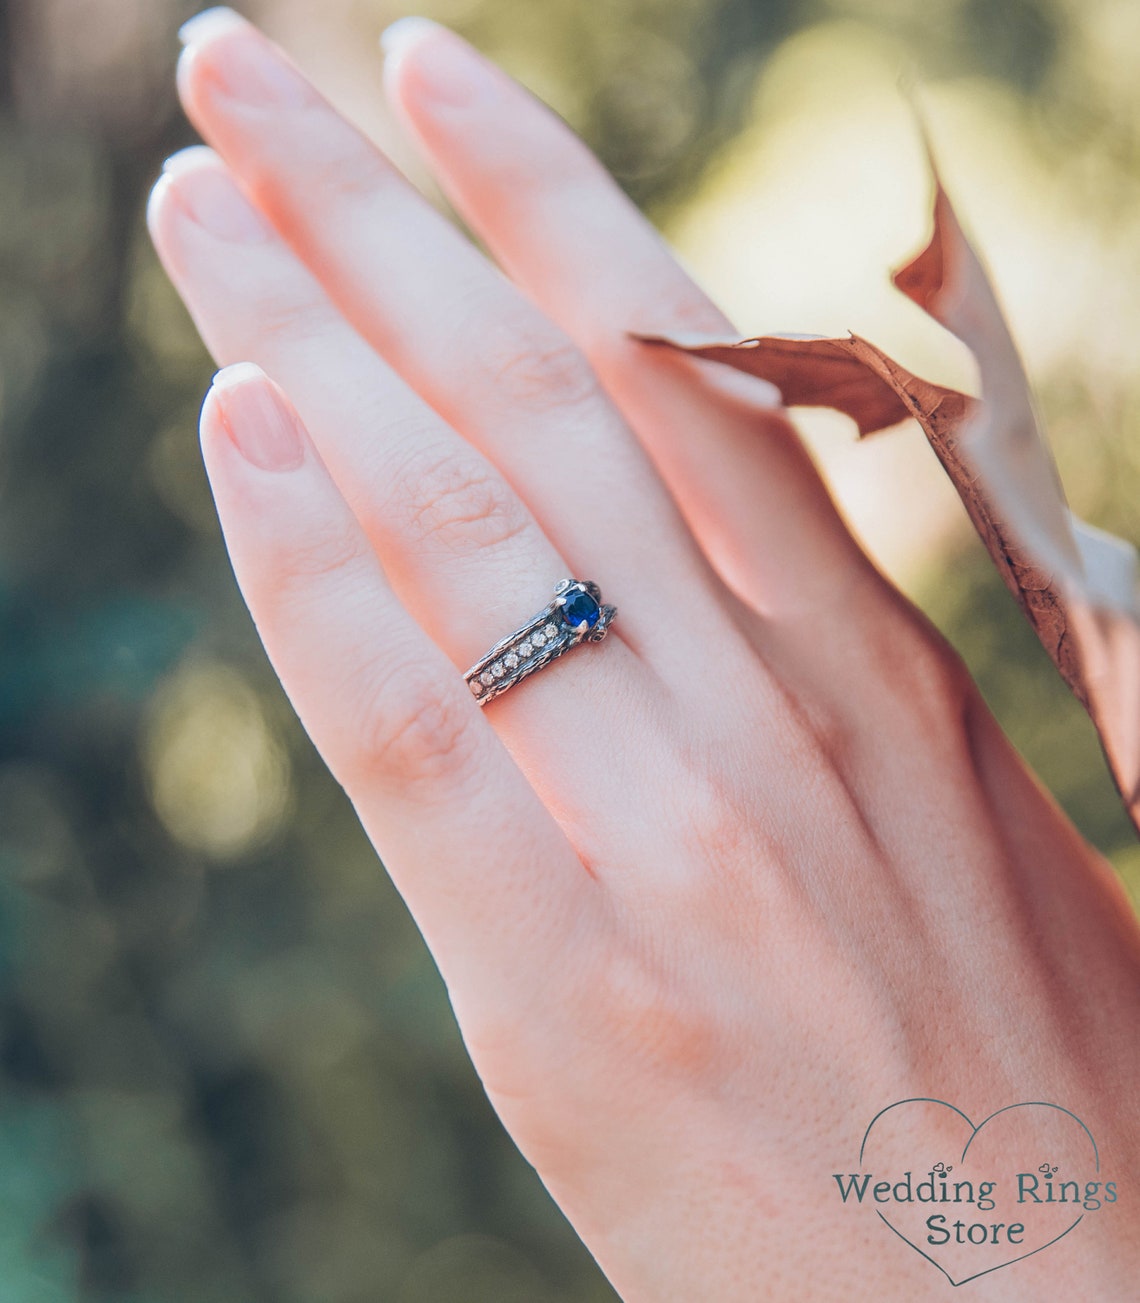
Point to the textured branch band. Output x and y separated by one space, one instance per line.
577 614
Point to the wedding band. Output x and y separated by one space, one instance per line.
577 614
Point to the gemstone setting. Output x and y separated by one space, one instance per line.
579 607
575 615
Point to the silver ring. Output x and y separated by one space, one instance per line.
577 614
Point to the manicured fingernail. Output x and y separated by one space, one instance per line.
202 27
261 425
449 72
400 34
207 195
250 70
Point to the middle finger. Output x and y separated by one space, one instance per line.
481 354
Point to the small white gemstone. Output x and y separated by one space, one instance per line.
525 649
485 678
538 637
476 687
551 631
498 669
510 660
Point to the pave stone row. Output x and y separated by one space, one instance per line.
510 661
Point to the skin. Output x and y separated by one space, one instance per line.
711 894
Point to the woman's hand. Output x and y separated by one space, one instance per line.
709 896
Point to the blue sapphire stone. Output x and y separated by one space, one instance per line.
579 606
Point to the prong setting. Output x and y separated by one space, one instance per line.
575 614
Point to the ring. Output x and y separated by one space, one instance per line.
577 614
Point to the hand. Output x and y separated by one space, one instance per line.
706 896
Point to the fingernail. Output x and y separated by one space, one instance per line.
450 72
250 70
404 31
202 27
209 197
260 424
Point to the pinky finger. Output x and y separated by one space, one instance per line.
489 877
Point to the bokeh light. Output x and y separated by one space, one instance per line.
218 777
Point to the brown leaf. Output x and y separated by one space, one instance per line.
1077 585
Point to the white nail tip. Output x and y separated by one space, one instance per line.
190 157
209 23
400 34
239 373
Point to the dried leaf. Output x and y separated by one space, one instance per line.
1077 585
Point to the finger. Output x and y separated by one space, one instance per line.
436 511
491 881
449 322
462 551
564 230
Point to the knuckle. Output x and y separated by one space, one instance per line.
539 369
329 156
349 167
457 502
831 734
921 682
416 731
642 1009
289 316
714 831
738 859
326 558
930 676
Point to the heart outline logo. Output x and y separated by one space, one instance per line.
974 1130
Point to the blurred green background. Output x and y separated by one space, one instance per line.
228 1070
